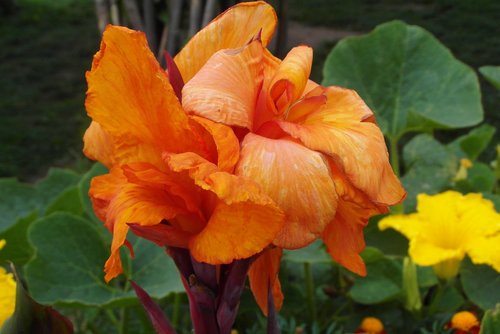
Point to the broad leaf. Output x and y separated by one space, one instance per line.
481 284
430 168
18 250
474 143
31 317
492 74
409 79
68 266
314 253
383 281
480 178
84 186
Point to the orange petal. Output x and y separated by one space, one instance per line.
297 179
228 146
231 29
263 273
129 95
291 78
244 220
226 87
358 147
344 235
98 145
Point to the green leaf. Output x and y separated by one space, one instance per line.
430 168
31 317
68 265
314 253
450 301
408 78
480 178
84 186
494 198
18 199
389 241
426 277
492 74
17 249
491 321
481 284
68 201
473 143
382 283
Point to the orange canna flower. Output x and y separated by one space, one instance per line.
253 157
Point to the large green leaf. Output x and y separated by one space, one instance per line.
18 199
430 168
481 284
409 79
492 74
472 144
68 265
480 178
31 317
383 281
84 186
314 253
18 250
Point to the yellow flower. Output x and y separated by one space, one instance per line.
464 321
7 293
448 226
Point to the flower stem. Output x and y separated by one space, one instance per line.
175 313
310 292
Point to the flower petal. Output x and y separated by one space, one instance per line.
485 251
129 95
244 220
425 253
231 29
358 146
297 179
291 78
263 274
98 145
225 89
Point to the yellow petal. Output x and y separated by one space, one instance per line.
297 179
408 225
226 87
357 146
485 251
425 253
230 30
263 274
7 295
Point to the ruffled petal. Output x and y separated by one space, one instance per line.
344 235
263 274
225 89
358 147
425 253
291 77
297 179
230 30
228 146
485 251
98 145
408 225
244 220
129 95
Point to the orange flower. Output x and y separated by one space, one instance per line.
256 155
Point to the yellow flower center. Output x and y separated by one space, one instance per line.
464 321
447 269
371 325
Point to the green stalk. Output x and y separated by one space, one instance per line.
310 292
124 321
176 311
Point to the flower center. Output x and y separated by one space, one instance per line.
464 321
372 325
